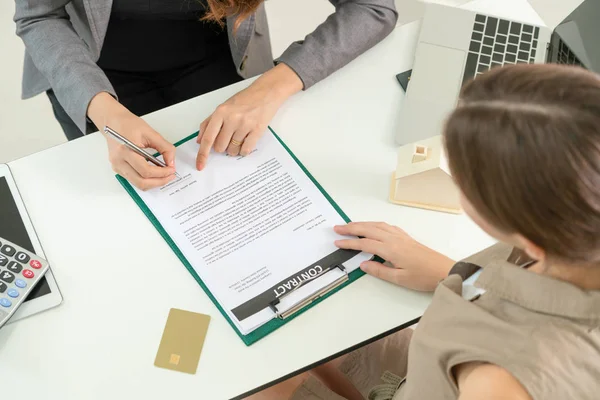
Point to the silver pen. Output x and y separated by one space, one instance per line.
132 146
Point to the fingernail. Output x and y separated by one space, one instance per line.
363 266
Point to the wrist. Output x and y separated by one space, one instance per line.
445 265
280 83
102 108
440 264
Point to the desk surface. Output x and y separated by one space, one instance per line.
119 278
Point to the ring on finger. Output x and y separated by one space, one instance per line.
236 143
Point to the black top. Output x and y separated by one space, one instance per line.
157 35
158 53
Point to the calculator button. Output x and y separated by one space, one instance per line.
20 283
12 293
3 260
14 267
27 274
7 277
22 257
35 264
8 250
5 303
3 287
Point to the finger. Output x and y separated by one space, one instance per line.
235 145
388 228
224 136
208 138
364 229
366 245
129 173
143 168
250 141
202 129
156 141
378 270
380 225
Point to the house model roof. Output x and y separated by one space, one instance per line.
435 158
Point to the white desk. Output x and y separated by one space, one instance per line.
119 278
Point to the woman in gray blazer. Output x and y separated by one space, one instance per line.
106 62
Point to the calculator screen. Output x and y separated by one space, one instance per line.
13 229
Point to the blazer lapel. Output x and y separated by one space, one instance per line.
239 41
98 14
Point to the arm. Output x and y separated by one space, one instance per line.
236 126
487 381
409 263
60 55
355 27
83 89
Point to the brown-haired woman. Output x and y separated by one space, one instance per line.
524 149
107 62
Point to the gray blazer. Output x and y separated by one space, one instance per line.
63 39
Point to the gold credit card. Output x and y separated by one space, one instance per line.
182 341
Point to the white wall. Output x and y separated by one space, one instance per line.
28 126
25 126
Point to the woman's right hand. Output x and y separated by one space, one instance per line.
105 110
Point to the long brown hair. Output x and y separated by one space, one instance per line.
524 148
218 10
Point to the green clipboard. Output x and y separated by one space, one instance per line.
275 323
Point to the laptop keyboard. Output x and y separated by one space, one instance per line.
497 42
566 56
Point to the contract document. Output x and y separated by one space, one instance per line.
256 230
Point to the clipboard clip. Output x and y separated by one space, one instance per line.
315 296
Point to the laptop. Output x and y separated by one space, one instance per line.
456 45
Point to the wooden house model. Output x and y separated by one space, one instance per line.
422 178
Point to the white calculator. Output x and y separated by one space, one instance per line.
20 271
26 281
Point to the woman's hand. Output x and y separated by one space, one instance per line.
237 124
105 110
413 265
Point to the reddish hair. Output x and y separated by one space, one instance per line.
218 10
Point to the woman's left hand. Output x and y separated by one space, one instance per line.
237 124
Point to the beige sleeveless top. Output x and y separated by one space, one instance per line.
545 332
